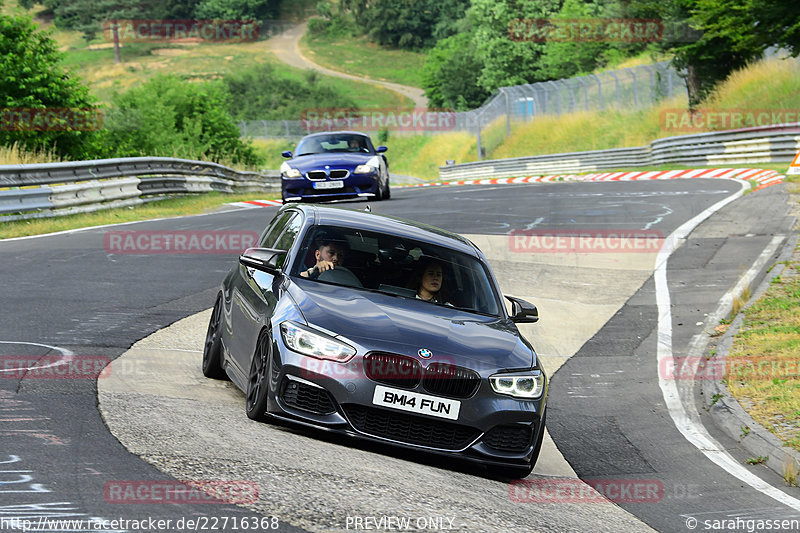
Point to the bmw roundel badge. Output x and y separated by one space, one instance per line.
425 353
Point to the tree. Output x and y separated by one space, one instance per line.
450 74
507 59
408 24
167 117
262 94
720 36
32 82
564 59
778 23
237 9
721 47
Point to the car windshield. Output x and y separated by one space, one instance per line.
339 142
402 267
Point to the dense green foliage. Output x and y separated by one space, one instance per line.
237 9
31 78
44 108
88 16
409 24
708 39
264 94
451 74
168 117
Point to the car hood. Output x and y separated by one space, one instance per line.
389 323
334 160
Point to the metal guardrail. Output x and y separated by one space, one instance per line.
768 144
52 189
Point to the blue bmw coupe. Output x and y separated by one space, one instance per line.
335 166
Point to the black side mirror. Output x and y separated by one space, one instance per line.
264 259
287 154
522 311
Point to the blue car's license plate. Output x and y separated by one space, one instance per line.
338 184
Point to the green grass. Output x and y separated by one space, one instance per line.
421 155
358 56
583 131
168 207
94 64
762 364
768 85
200 62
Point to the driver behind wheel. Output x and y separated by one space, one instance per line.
330 251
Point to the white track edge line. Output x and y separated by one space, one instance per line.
694 432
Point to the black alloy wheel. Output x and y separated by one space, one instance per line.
258 379
212 350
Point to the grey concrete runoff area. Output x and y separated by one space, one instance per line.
156 394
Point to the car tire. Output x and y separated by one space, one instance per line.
258 378
212 350
388 191
380 194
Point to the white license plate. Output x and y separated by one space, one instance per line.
338 184
414 402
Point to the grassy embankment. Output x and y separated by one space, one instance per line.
358 56
763 370
767 85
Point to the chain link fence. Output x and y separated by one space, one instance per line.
628 88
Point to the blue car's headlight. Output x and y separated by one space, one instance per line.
290 172
370 166
528 384
314 343
364 169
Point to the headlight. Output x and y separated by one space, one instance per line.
370 166
364 169
290 172
528 385
314 343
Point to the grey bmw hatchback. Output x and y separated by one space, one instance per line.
383 329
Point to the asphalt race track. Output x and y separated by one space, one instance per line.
71 448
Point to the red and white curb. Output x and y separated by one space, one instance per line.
765 178
257 203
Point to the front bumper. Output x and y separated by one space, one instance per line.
490 429
354 186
